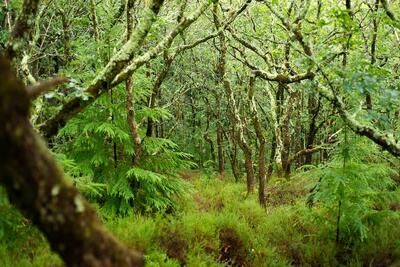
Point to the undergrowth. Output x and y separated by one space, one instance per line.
219 226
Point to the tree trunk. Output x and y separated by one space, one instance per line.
235 115
235 163
368 98
8 23
313 111
285 131
67 38
94 20
156 92
248 163
276 103
37 187
272 156
221 167
262 176
233 155
130 102
212 150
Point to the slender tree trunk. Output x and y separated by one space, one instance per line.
235 115
248 163
130 102
272 156
114 144
133 127
262 175
235 163
349 34
221 167
94 20
162 75
313 111
8 15
212 150
111 94
233 154
368 98
285 131
67 37
276 103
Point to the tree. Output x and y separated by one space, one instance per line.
37 186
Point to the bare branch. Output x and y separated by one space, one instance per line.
35 90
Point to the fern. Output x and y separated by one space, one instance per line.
88 140
144 191
82 181
356 188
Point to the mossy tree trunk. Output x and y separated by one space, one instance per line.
36 185
221 165
262 173
130 101
235 115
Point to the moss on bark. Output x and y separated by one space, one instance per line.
37 187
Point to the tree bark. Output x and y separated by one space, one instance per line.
233 154
313 111
221 166
8 24
22 28
368 98
212 150
130 101
235 163
262 175
235 115
37 187
96 32
66 36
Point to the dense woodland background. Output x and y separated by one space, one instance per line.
202 133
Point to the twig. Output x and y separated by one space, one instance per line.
35 90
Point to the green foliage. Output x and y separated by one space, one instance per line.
218 220
99 143
84 182
281 235
206 221
21 244
144 190
355 189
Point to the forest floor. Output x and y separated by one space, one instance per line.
217 225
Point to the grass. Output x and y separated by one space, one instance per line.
219 226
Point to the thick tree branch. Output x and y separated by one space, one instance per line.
282 78
306 151
387 142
